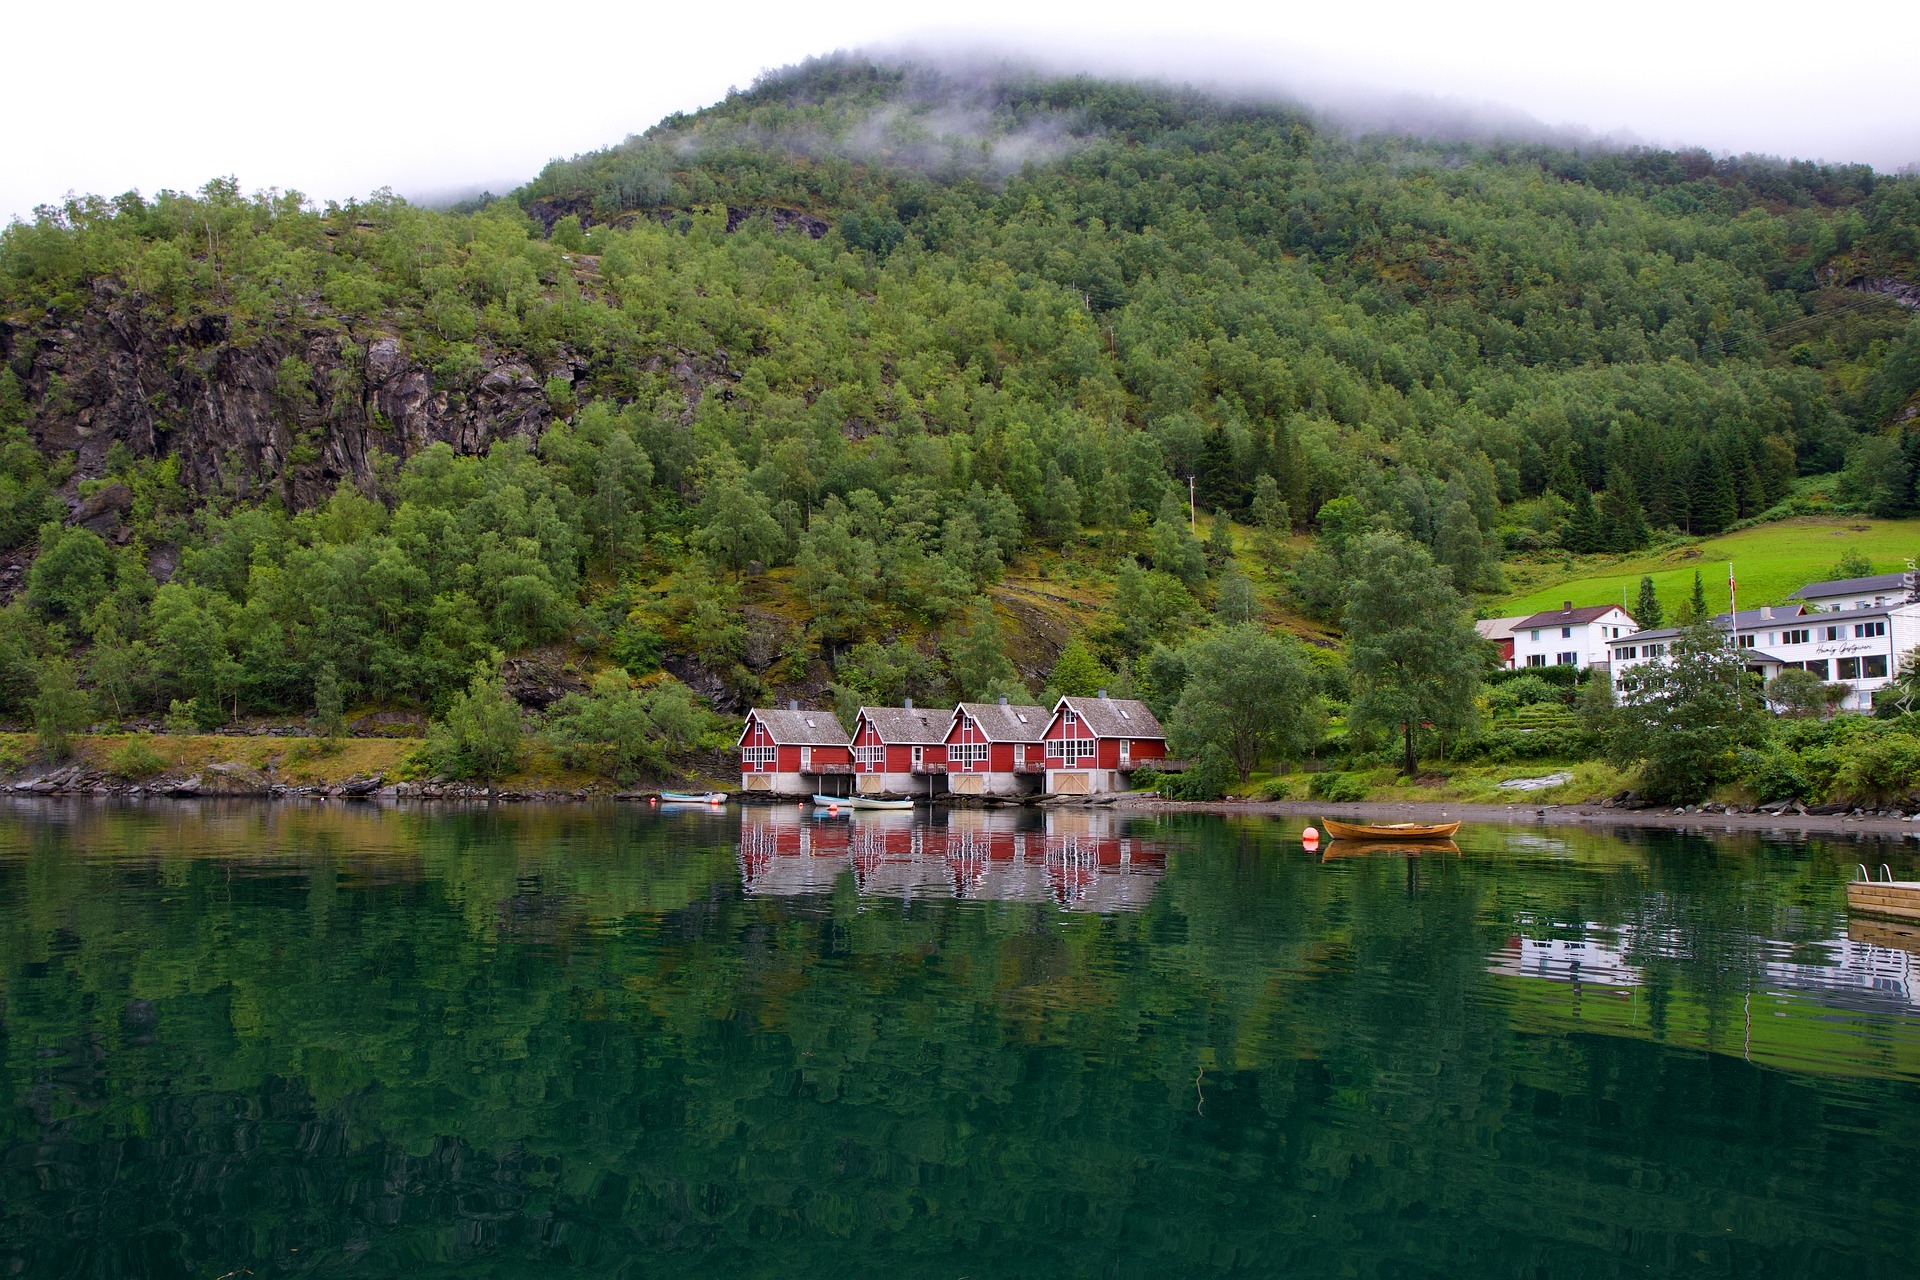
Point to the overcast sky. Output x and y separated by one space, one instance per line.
431 98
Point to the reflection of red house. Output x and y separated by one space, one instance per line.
996 748
793 752
899 751
1093 744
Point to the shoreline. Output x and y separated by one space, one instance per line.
1592 815
1564 815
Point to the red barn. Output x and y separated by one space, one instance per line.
996 748
900 751
1094 743
793 752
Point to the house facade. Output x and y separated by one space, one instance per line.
1093 745
1570 637
901 751
794 752
1838 595
996 749
1859 647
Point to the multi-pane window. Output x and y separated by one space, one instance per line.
1819 667
1874 667
1536 659
1079 749
759 757
1566 659
1795 637
967 752
870 756
1831 633
1863 629
1652 650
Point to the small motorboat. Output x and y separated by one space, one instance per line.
1389 831
693 797
859 802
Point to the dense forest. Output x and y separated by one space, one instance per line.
776 395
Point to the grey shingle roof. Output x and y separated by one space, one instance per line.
1008 722
1882 582
802 728
1116 717
908 726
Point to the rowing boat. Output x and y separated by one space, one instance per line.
860 802
1339 849
693 797
1389 831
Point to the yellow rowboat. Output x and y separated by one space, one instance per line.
1389 831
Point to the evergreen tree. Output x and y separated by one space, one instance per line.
1646 610
1271 517
1711 501
1219 539
1461 547
1583 532
1175 549
1624 526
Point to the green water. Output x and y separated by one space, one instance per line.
347 1041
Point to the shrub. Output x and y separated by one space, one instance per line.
619 731
636 648
1274 789
1879 768
1208 778
13 756
1339 788
1773 774
136 759
1522 691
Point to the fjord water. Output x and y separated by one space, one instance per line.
348 1040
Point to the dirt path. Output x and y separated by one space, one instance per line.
1586 815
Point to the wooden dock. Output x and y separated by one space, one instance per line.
1891 899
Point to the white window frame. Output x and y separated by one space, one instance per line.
758 759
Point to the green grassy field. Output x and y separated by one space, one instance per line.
1771 562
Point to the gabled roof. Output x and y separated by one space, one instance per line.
1568 617
1751 618
1498 628
909 726
1005 722
798 728
1114 717
1881 582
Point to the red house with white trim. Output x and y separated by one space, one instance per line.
996 749
1093 744
900 751
793 752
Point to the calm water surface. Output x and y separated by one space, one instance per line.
352 1041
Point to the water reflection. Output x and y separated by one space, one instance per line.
1075 860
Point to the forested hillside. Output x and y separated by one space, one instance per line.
778 394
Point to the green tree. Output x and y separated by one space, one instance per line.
1852 564
1646 610
1801 695
60 707
1248 693
1272 517
71 573
480 734
1695 610
1077 673
620 482
327 711
620 731
1175 550
1414 655
1683 720
737 526
1233 600
1219 548
1462 548
978 659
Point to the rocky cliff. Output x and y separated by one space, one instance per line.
297 407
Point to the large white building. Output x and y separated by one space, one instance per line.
1850 631
1570 637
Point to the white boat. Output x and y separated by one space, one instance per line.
859 802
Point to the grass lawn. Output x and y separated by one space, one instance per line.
1459 783
1770 561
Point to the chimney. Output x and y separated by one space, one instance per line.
1567 607
907 703
1103 693
1003 699
1766 613
793 704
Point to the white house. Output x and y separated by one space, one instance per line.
1570 637
1859 646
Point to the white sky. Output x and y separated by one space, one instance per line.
431 98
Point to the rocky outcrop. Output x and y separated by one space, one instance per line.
297 405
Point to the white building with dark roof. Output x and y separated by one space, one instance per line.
1838 595
1570 637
